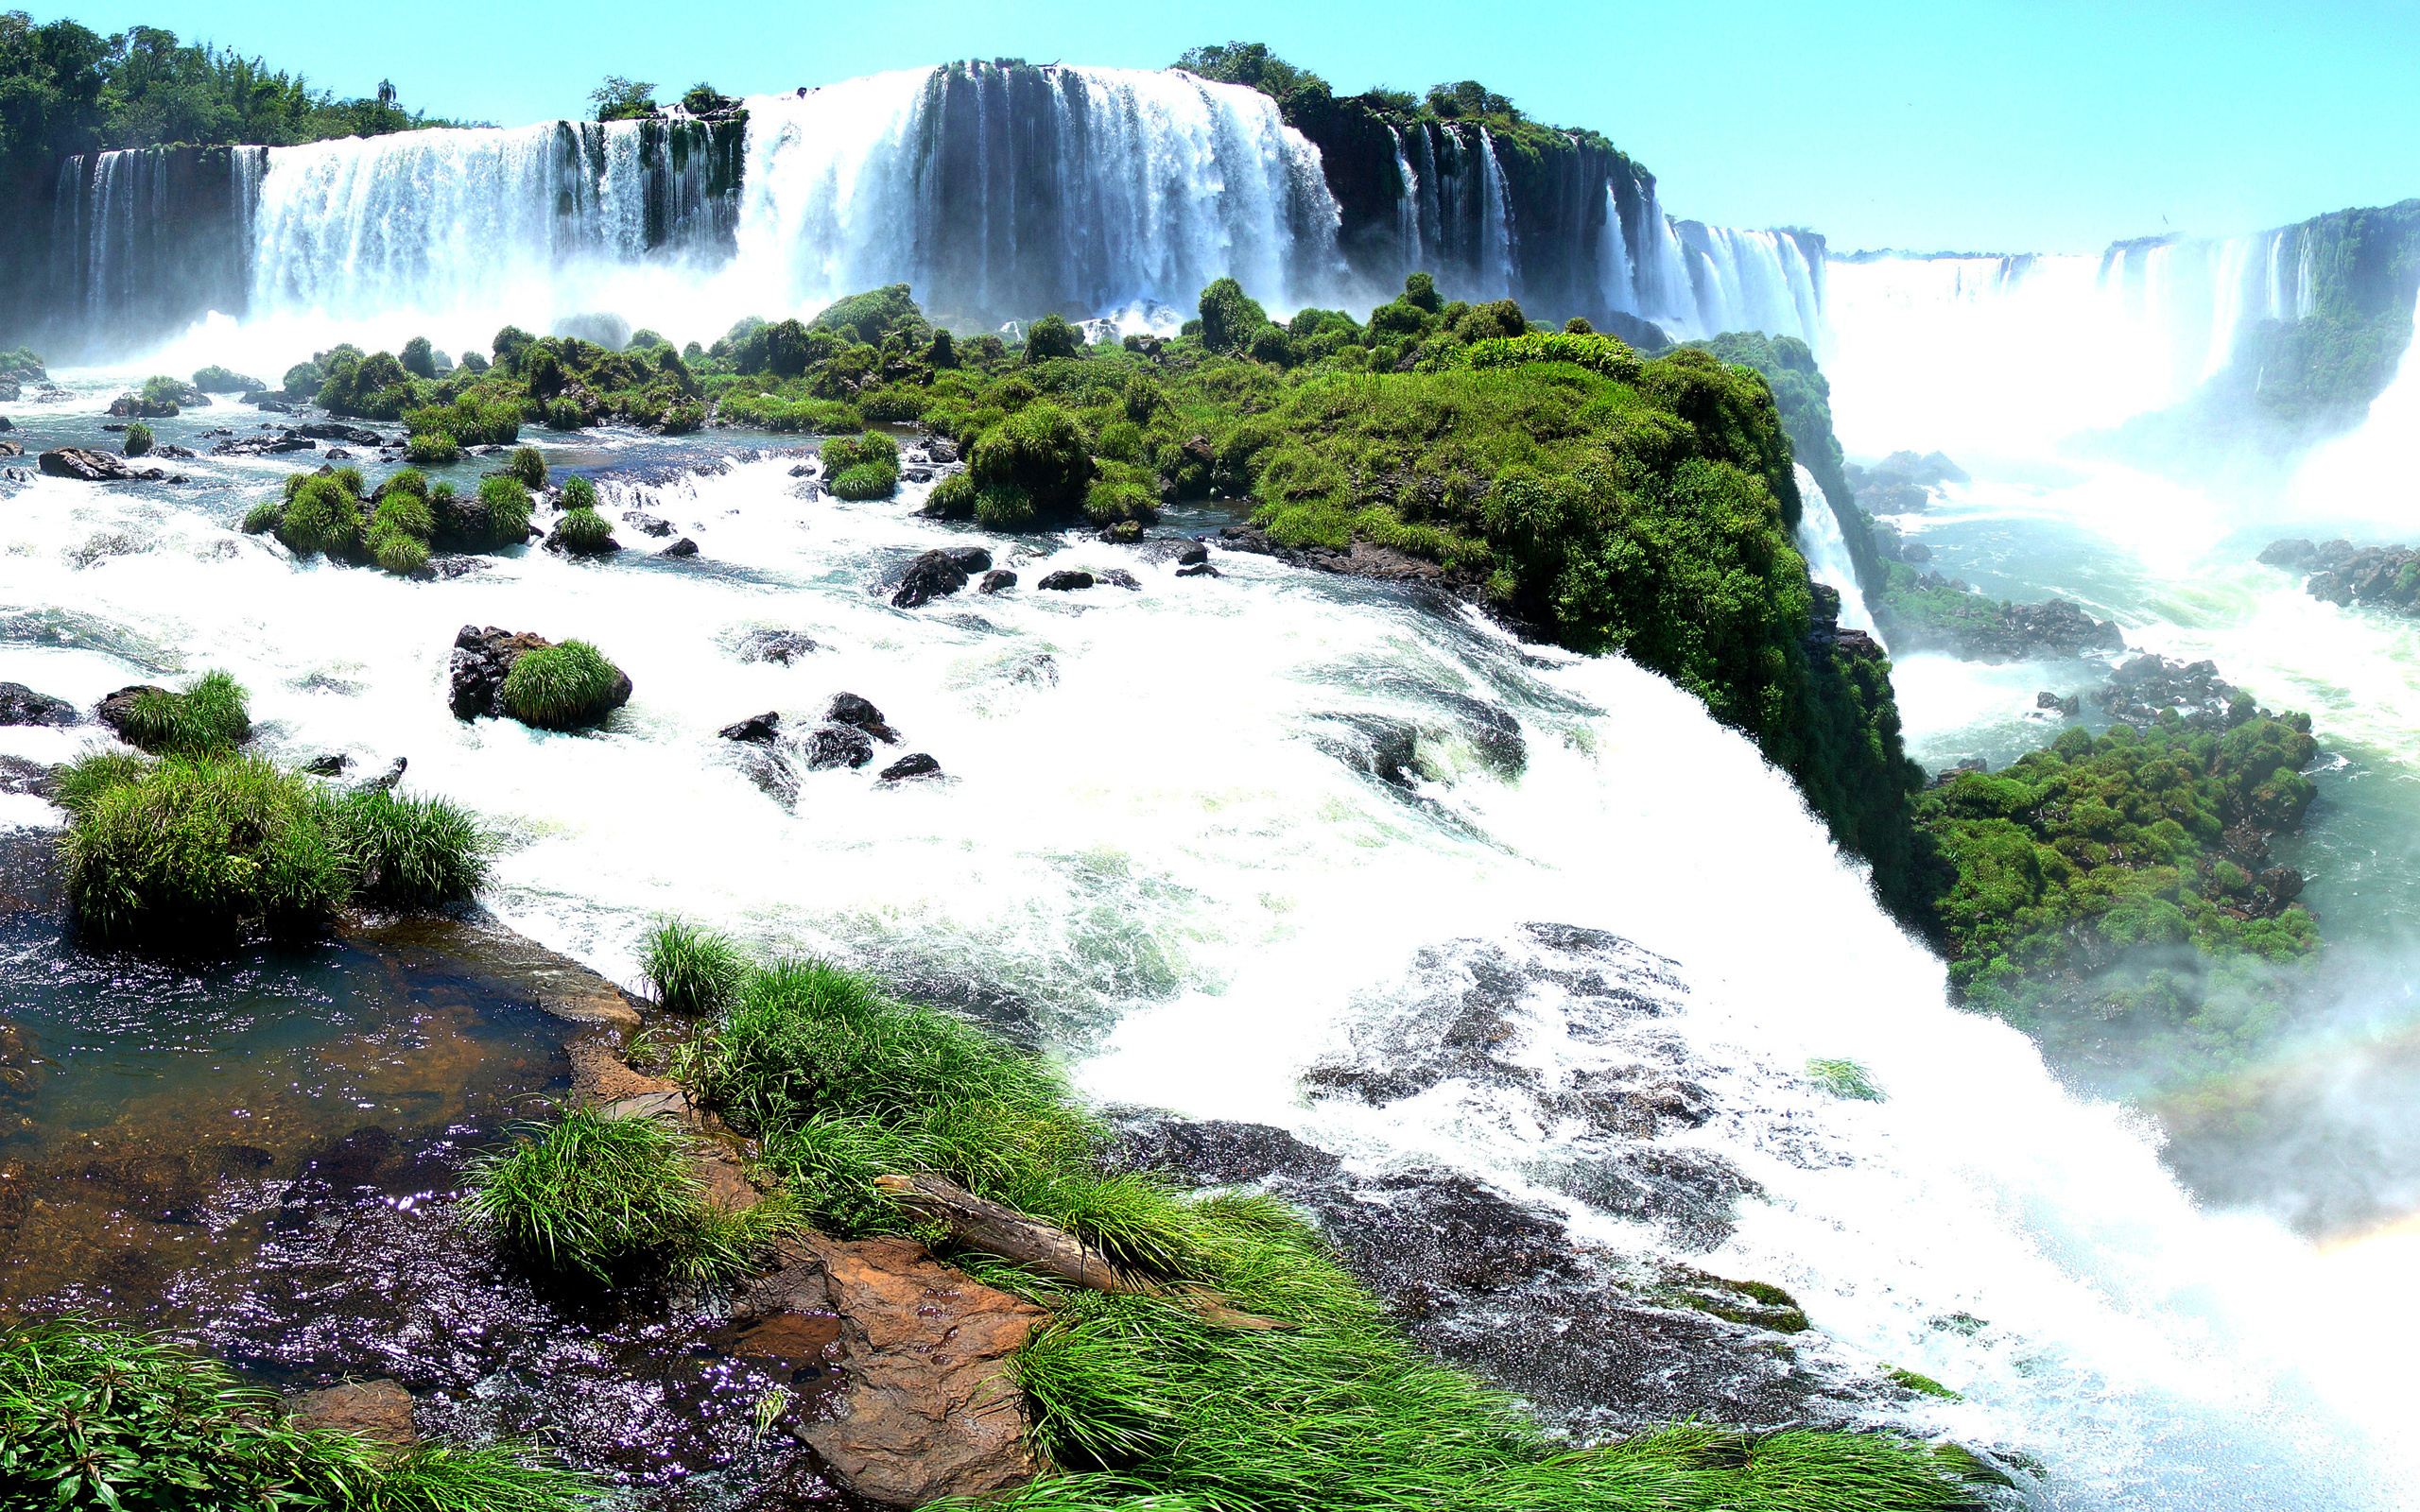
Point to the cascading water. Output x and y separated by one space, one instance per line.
1755 280
1200 898
1826 551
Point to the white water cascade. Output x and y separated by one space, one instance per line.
1201 898
1826 551
2001 352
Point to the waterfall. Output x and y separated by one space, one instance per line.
1407 208
1615 280
1496 252
1742 279
1821 541
1001 192
1947 348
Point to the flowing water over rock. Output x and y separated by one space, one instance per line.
1544 983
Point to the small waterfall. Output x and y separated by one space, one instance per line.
1407 212
1820 540
1495 249
147 239
1753 281
1615 276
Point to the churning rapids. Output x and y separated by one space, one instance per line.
1165 827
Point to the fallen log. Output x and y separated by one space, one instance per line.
979 1223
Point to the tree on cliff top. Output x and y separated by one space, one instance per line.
621 99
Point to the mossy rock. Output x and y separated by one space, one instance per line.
1757 1304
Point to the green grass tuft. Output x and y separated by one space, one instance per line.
507 507
611 1197
1844 1078
199 847
211 716
578 494
560 687
413 852
433 448
584 532
692 970
262 517
529 468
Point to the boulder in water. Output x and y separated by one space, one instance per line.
89 467
931 575
916 765
379 1411
848 708
780 646
758 729
647 525
997 580
21 705
832 744
680 548
1065 581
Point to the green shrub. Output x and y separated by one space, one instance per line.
1121 492
138 440
433 449
567 415
1051 337
1121 440
198 848
96 1419
612 1196
578 494
399 553
405 512
867 480
411 852
264 517
209 718
1229 317
897 403
1844 1078
1041 452
161 393
848 450
560 687
470 420
584 532
418 359
323 515
305 378
1003 506
507 508
692 970
953 498
473 361
529 466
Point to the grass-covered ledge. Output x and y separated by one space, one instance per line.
1154 1397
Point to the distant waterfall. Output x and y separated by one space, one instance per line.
1755 281
140 238
1948 351
1826 550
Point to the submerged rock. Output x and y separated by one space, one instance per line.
915 764
848 708
778 646
760 729
832 744
380 1411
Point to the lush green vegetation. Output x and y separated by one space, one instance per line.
207 844
1146 1399
212 716
2093 896
138 440
692 970
399 526
585 533
616 1198
862 467
560 687
1803 396
217 380
94 1418
64 88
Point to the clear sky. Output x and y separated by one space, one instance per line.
1966 125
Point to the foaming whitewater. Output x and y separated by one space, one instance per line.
1827 553
1145 830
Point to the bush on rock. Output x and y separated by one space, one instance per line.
562 687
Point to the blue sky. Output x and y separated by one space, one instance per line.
1997 126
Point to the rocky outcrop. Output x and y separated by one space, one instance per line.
833 743
116 711
848 708
92 467
2149 686
21 705
1944 614
2343 573
757 730
483 658
929 1409
1360 560
938 574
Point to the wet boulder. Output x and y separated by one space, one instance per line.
21 705
647 525
848 708
380 1411
682 548
756 730
916 765
89 467
1065 581
778 646
997 580
933 575
832 744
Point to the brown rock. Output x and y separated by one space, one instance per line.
930 1410
380 1411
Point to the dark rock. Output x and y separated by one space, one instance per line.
1362 559
848 708
1915 551
997 580
933 575
269 406
2139 692
2069 707
338 454
1217 1153
831 744
915 764
1116 577
783 646
1375 744
559 544
683 547
1199 569
85 466
174 454
803 469
1194 554
941 450
761 729
480 661
385 781
1122 532
328 765
332 431
2288 553
21 705
117 710
647 525
264 445
1065 581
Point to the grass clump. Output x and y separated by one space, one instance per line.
578 494
411 852
560 687
612 1197
529 467
93 1417
1844 1078
1040 453
692 970
584 533
199 848
433 449
1144 1400
138 440
323 515
953 498
507 507
862 467
214 715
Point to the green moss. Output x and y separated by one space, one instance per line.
1924 1385
560 687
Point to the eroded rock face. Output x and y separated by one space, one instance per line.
930 1410
481 660
848 708
91 467
21 705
